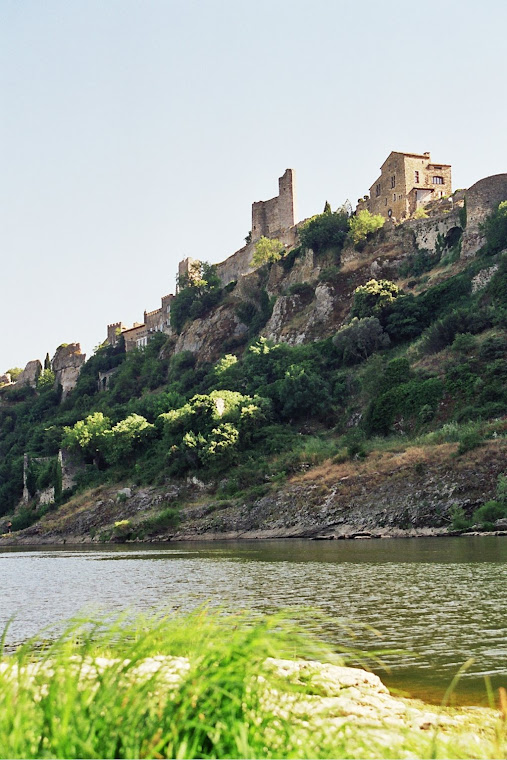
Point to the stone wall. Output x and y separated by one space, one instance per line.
104 378
270 217
481 200
428 230
113 332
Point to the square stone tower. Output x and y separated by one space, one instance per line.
270 218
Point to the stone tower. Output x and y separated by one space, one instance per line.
270 218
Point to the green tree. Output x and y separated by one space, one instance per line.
325 231
266 251
45 380
47 362
14 372
127 437
359 339
87 436
327 208
371 299
363 224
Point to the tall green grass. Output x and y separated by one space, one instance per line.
123 690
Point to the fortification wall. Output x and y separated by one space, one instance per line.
427 231
270 217
481 199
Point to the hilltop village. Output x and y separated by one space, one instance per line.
408 182
332 342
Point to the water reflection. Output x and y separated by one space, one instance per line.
442 599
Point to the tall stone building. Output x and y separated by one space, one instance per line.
271 218
407 181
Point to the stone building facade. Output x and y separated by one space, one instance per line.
407 182
270 218
139 334
274 218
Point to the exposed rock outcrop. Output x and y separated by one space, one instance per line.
66 365
208 337
30 374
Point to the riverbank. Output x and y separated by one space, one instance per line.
400 492
215 686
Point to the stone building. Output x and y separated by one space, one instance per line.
274 218
407 182
138 335
114 331
270 218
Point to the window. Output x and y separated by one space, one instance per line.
394 196
377 190
385 202
438 180
393 181
417 177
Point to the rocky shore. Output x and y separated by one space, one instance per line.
407 493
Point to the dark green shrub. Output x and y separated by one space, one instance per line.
329 274
325 231
359 339
469 441
302 289
24 518
495 230
443 332
463 343
404 401
489 513
459 520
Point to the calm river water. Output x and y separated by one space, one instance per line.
442 600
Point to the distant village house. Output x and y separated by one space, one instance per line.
407 181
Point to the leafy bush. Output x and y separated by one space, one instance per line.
167 518
463 343
372 299
325 231
404 401
363 224
459 520
199 292
267 251
359 339
443 332
469 441
302 289
495 230
489 513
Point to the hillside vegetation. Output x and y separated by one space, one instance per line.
419 359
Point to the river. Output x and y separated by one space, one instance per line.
441 600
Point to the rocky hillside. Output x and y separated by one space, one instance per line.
354 383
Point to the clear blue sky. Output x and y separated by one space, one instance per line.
135 133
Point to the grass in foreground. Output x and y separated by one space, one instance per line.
201 686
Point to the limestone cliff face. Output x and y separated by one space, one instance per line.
30 374
207 337
66 365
